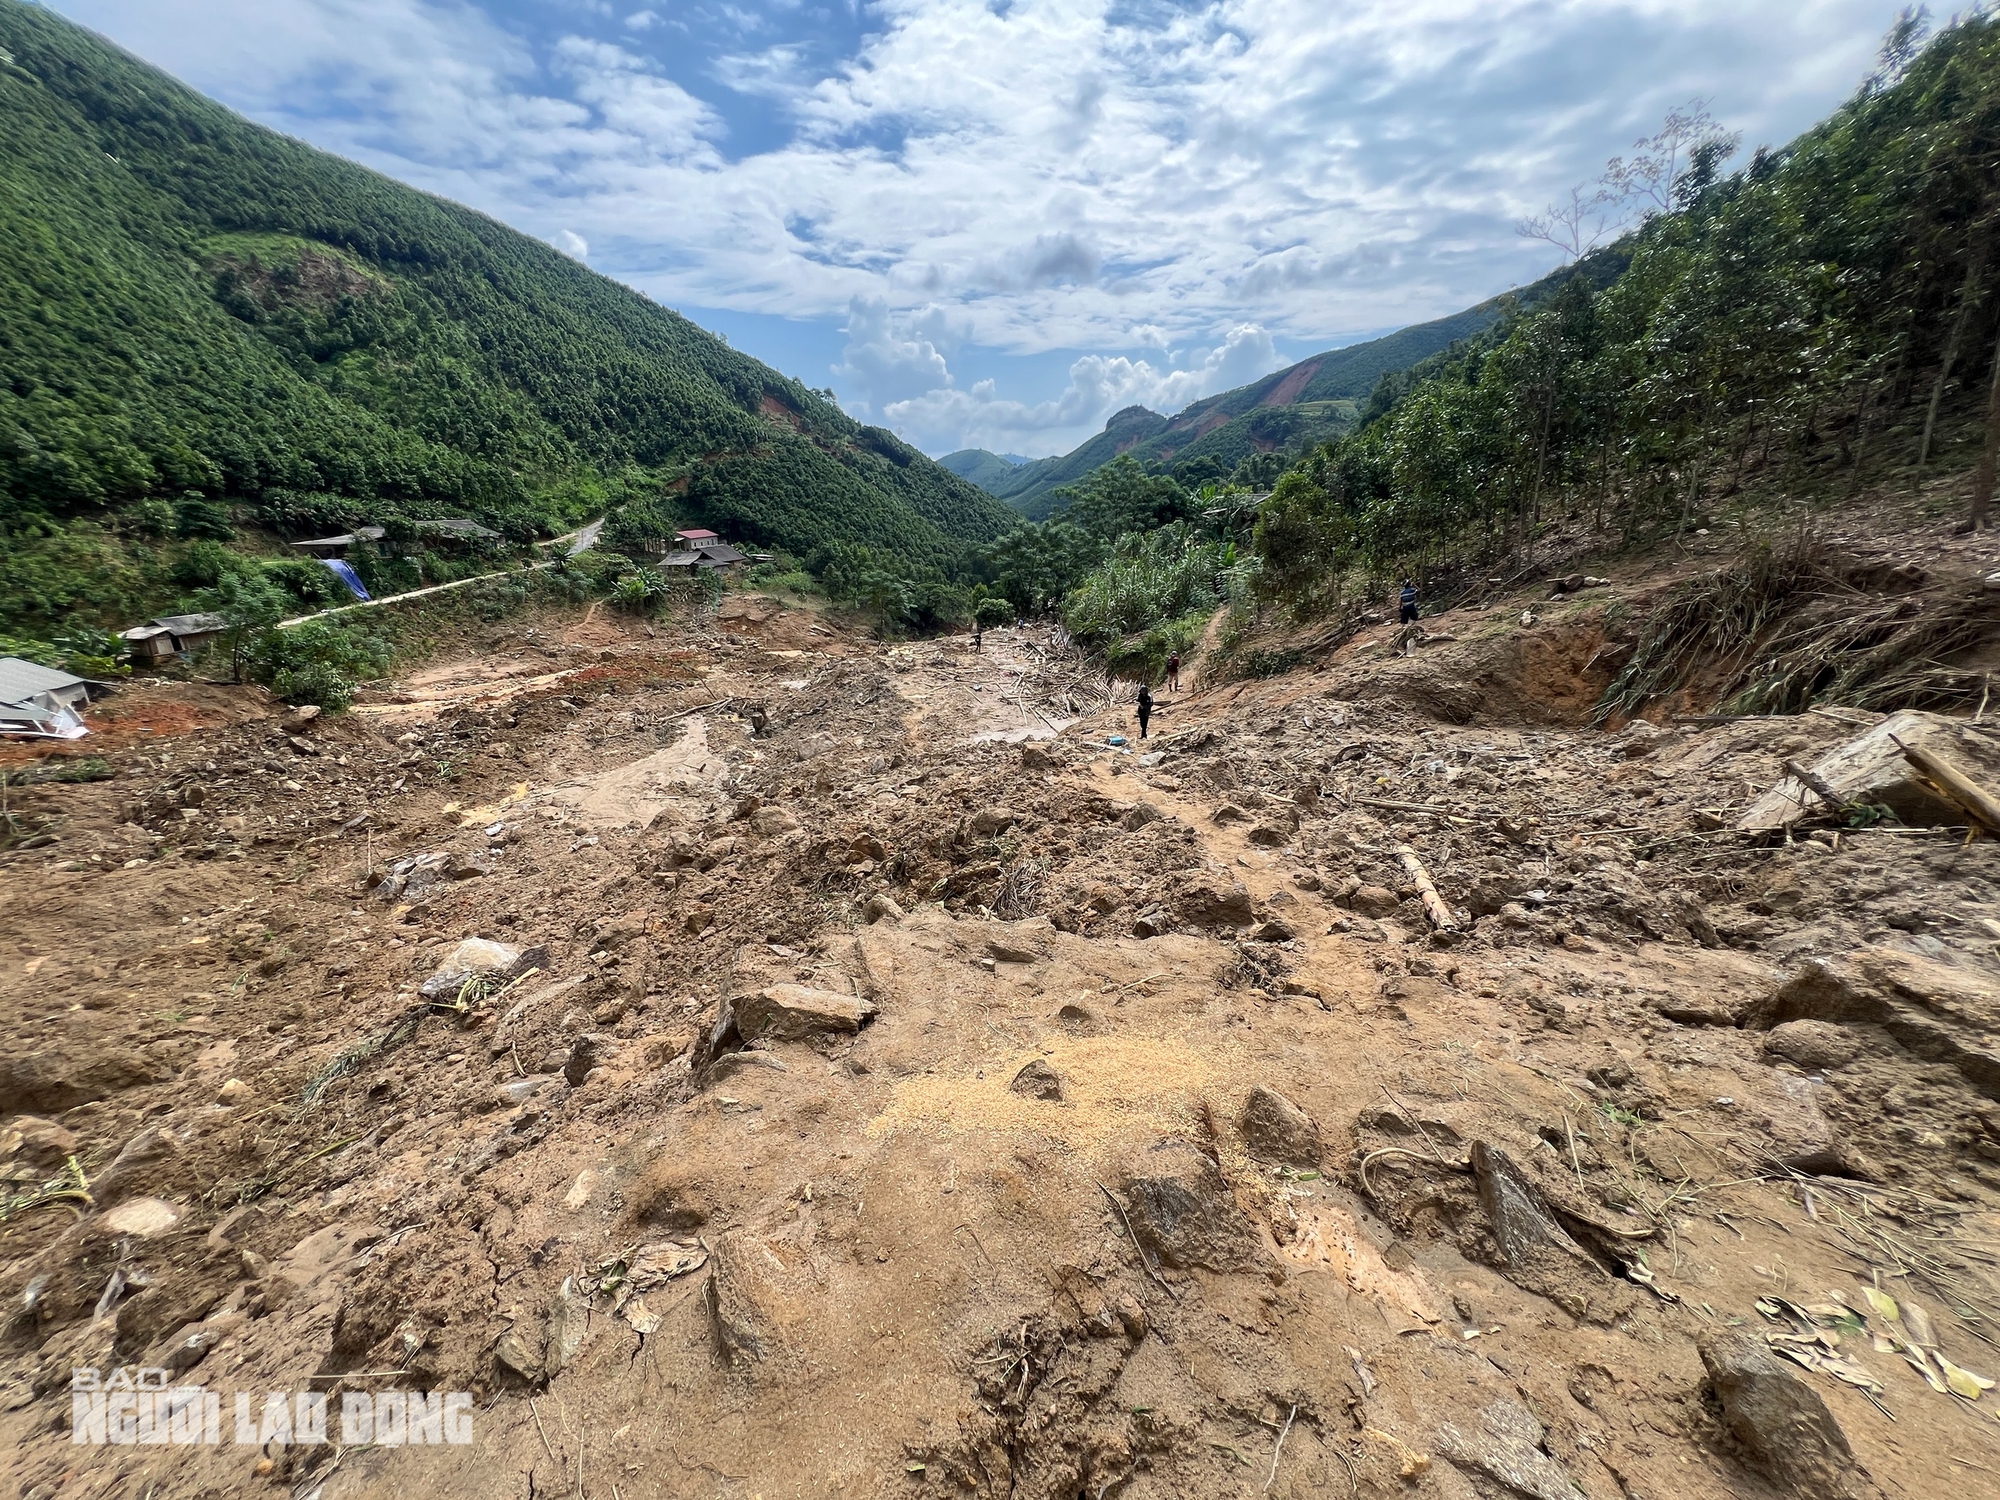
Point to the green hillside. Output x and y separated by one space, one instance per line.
1287 411
976 466
212 333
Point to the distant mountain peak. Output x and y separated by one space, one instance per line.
1133 416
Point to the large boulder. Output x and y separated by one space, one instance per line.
1214 901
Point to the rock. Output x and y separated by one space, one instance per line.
52 1077
1374 901
730 1064
792 1012
1616 1074
1815 1045
1782 1422
1214 901
146 1157
1183 1212
1871 768
1271 931
989 821
1277 1130
1819 991
186 1349
299 720
1536 1251
881 908
141 1218
585 1053
479 958
769 821
1229 812
1038 1081
1131 1315
1269 836
1152 922
1012 950
1141 814
234 1092
35 1143
1795 1131
1307 880
1035 758
740 1300
1504 1442
519 1350
569 1321
518 1091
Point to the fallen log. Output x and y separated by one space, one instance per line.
1955 784
1434 907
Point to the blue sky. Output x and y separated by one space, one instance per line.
994 222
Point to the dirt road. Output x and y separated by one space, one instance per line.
871 1091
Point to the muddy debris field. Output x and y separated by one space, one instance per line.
752 1060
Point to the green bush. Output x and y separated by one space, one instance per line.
318 662
196 517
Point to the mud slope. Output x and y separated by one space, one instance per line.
877 1095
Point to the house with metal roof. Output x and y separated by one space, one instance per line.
40 702
171 635
451 528
715 555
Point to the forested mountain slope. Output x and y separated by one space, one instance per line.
1285 411
207 328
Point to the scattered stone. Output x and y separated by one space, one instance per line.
1214 901
1272 931
881 908
792 1012
1814 1045
989 821
1229 812
738 1298
1182 1211
1505 1443
145 1158
235 1092
1010 950
1616 1074
1035 758
1307 880
569 1322
299 720
1038 1081
479 958
1269 836
769 821
585 1053
35 1143
1277 1130
1872 769
1374 901
731 1063
185 1349
1141 814
1131 1316
520 1350
141 1218
1154 921
518 1091
1782 1422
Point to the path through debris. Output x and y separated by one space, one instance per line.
755 1061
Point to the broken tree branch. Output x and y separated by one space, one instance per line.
1955 784
1434 907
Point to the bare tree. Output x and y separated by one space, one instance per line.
1647 182
1576 227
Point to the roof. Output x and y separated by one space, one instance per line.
21 680
458 525
697 535
346 539
721 552
175 625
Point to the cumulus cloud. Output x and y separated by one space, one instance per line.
1070 175
571 243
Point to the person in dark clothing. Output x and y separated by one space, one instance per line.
1145 708
1409 609
1174 671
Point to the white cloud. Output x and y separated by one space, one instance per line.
1044 174
571 243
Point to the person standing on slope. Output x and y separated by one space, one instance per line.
1408 614
1174 671
1145 708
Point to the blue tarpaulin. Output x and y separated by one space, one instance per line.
346 575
